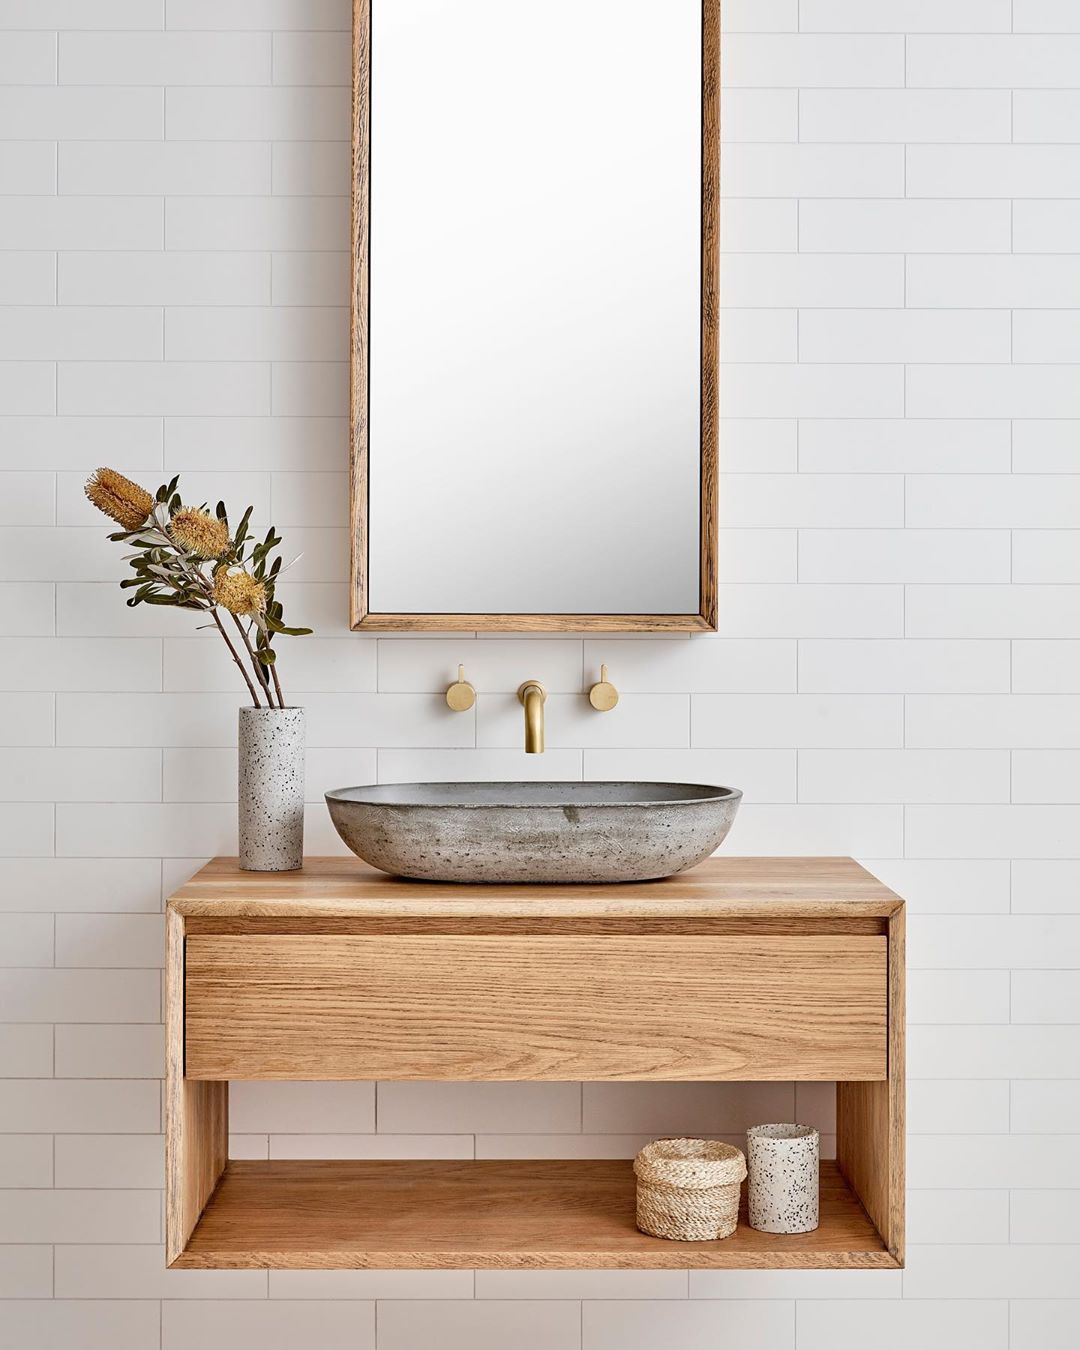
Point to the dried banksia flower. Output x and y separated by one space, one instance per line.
239 593
199 532
121 499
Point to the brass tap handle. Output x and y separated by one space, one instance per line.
603 696
461 695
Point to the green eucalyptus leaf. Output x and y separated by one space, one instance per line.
276 626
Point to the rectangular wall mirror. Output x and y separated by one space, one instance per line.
534 355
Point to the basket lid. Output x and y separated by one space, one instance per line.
690 1164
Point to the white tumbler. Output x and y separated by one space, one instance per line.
783 1166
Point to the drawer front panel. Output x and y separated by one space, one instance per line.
445 1006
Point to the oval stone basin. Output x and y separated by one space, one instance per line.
533 832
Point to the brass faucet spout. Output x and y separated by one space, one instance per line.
532 695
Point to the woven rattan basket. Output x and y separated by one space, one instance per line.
688 1189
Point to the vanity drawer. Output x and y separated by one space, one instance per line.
592 1006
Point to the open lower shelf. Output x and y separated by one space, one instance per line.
486 1214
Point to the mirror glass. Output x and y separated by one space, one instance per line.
534 308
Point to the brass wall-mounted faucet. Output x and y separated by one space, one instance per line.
532 696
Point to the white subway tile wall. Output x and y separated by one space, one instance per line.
897 673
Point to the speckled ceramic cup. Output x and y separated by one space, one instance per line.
783 1166
271 789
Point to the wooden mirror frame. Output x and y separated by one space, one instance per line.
361 616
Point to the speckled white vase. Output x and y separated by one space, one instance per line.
783 1163
271 799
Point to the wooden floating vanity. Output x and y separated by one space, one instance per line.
742 969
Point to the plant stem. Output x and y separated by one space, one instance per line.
260 674
208 591
277 685
235 657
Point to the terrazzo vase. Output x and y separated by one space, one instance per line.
271 789
783 1162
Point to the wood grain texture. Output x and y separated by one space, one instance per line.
488 1215
533 623
775 888
870 1118
894 1227
710 306
448 1006
374 925
196 1114
361 616
361 288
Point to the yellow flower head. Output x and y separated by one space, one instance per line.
199 532
121 499
239 592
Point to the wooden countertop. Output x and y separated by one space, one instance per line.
744 887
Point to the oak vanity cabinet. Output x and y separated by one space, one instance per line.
742 969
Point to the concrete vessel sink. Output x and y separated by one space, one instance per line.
533 832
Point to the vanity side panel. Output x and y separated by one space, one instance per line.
870 1117
196 1113
599 1007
